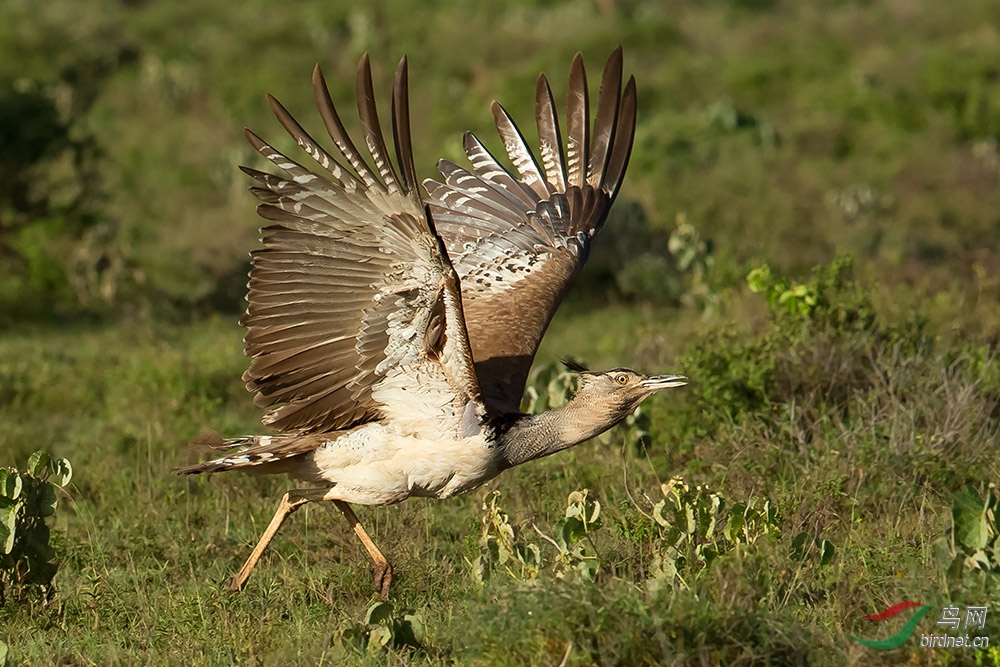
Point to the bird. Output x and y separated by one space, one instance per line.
391 334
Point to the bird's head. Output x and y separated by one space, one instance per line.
602 399
621 390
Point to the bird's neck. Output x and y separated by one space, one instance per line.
531 437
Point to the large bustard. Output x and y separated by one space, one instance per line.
391 335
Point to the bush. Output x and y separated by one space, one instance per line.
27 561
826 377
816 353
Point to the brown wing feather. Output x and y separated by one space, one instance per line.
577 123
351 279
519 245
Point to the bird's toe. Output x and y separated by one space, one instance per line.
383 579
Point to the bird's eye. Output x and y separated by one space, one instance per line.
621 378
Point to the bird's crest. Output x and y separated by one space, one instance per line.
574 366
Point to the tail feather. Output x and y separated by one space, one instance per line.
251 451
211 440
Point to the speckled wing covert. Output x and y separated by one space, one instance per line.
352 296
519 242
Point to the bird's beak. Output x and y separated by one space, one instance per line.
658 382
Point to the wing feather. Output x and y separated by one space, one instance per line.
549 138
606 120
518 151
577 123
621 149
518 245
370 126
401 120
350 277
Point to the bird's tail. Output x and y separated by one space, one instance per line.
260 452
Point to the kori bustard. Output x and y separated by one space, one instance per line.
391 335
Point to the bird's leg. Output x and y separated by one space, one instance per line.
380 564
295 499
290 502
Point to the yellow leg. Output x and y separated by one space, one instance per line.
381 566
290 502
295 499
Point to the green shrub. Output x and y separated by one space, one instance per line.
504 548
974 539
27 561
385 627
697 525
816 354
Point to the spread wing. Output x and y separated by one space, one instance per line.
519 242
354 308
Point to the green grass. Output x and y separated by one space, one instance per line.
782 132
146 555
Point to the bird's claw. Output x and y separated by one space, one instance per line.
383 579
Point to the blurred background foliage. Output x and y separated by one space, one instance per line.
777 131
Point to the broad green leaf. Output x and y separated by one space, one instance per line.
411 631
64 472
378 612
589 568
969 514
826 551
978 561
658 513
573 529
771 513
759 279
11 483
379 638
691 525
41 573
37 463
46 500
38 549
595 516
3 654
9 528
798 545
735 525
575 503
560 534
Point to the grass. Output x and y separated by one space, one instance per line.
783 133
147 555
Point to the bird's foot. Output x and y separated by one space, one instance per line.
237 583
383 579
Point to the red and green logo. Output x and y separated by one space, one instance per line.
896 640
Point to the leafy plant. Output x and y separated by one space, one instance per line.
502 547
693 256
805 545
974 539
385 627
27 561
583 517
831 296
818 345
697 525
